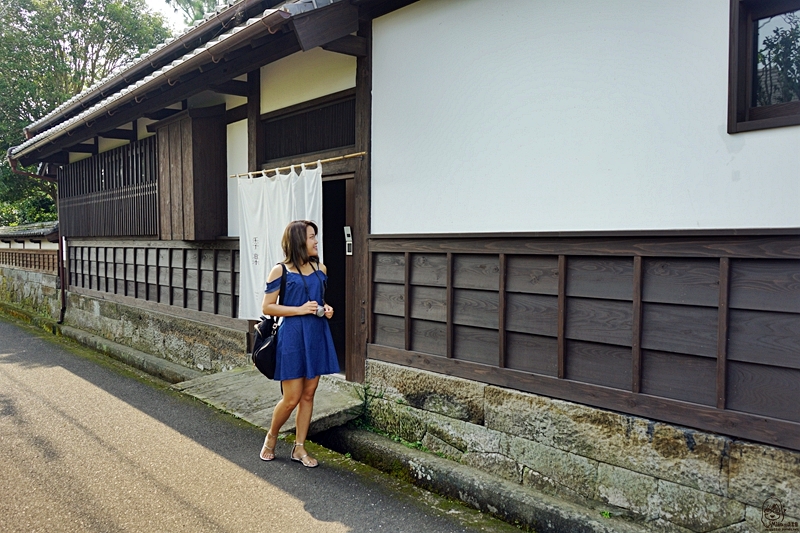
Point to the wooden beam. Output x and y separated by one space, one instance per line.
126 135
325 24
361 315
83 149
161 114
636 335
234 87
378 8
351 45
562 316
255 136
236 114
58 158
722 331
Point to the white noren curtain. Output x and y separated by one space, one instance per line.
266 206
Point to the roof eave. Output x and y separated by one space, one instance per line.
145 64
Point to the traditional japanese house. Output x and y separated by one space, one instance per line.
575 226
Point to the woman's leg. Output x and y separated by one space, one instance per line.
292 391
304 410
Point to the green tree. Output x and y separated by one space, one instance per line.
51 50
779 62
193 10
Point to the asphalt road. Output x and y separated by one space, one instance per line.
88 444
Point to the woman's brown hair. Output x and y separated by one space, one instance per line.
293 243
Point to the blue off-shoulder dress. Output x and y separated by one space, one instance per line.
305 346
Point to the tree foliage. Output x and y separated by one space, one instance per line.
779 63
51 50
193 10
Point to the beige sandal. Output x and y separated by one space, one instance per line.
270 452
305 459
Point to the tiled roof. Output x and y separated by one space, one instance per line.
158 77
128 67
37 229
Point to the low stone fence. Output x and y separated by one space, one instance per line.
197 343
33 290
667 477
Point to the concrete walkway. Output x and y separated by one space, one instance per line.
249 395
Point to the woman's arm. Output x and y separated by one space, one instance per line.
271 308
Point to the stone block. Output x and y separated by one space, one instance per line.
441 448
665 451
697 510
741 527
452 397
659 525
758 472
546 485
760 519
574 472
627 489
460 434
395 419
494 463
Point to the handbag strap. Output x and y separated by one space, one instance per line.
283 283
279 320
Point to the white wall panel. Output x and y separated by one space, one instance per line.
545 115
304 76
237 164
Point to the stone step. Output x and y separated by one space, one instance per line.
247 394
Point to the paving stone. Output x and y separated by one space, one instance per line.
250 396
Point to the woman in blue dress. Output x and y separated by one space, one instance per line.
305 347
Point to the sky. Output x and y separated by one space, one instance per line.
174 19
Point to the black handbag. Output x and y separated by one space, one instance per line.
265 337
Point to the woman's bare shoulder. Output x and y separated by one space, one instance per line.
323 268
275 273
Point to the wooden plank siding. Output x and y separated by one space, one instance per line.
700 330
113 194
197 276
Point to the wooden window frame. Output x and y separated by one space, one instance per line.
742 116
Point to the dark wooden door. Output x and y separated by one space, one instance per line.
337 212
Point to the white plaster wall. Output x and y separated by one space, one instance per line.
304 76
104 145
559 115
237 164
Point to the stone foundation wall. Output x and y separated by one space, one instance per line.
191 343
35 291
669 478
